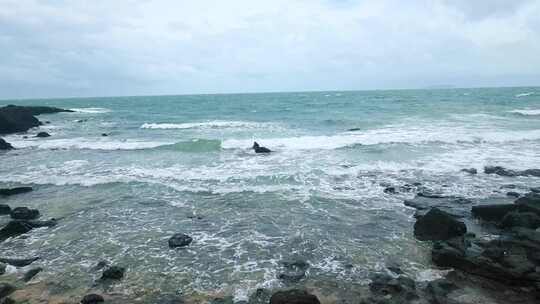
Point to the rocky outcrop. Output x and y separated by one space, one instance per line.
2 268
438 225
13 191
24 213
19 119
4 145
520 219
424 201
179 240
388 289
293 296
14 228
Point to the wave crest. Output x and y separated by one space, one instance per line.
91 110
204 125
527 112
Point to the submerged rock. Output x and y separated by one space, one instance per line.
14 228
180 240
43 134
30 274
6 289
92 299
438 225
24 213
13 191
113 273
294 296
226 300
19 262
4 209
4 145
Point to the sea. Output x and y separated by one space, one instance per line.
184 164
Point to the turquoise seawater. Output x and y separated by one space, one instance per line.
319 196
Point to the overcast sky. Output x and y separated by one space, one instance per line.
53 48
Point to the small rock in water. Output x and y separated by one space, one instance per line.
179 240
512 194
24 213
13 191
2 268
394 267
535 190
390 190
354 129
4 145
30 274
104 134
293 296
92 299
401 289
14 228
6 289
470 171
43 134
438 225
113 273
4 209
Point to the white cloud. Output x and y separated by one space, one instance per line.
59 48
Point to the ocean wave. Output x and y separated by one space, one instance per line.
91 110
195 145
205 125
87 143
524 94
527 112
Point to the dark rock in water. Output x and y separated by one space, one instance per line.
227 300
293 296
2 268
493 212
394 267
100 265
5 209
6 289
13 191
531 172
19 262
439 289
19 119
535 190
113 273
104 134
92 299
398 290
294 270
41 224
470 171
30 274
180 240
438 225
529 202
512 194
4 145
14 228
500 171
390 190
456 206
521 219
354 129
430 194
43 134
260 296
24 213
259 149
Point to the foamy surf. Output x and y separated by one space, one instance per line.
524 94
87 143
91 110
527 112
205 125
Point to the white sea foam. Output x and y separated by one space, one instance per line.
527 112
87 143
205 125
91 110
524 94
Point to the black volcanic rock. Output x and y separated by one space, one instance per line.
529 220
13 191
19 119
4 145
438 225
180 240
498 170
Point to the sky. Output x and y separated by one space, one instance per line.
62 48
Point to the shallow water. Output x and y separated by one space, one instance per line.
319 196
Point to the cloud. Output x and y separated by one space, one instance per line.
80 48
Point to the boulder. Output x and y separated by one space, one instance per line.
14 228
24 213
493 212
92 299
293 296
13 191
19 119
4 145
43 134
40 224
529 202
520 219
30 274
438 225
6 289
113 273
19 262
179 240
4 209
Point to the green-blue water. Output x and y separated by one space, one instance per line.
319 196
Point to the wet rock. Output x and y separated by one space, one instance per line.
43 134
14 228
13 191
390 190
4 209
113 273
529 202
6 289
92 299
438 225
293 296
104 134
260 296
7 301
470 171
456 206
30 274
293 270
397 290
354 129
2 268
430 194
512 194
164 298
4 145
394 267
493 212
531 172
19 262
40 224
180 240
24 213
227 300
500 171
439 289
521 219
100 265
535 190
19 119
